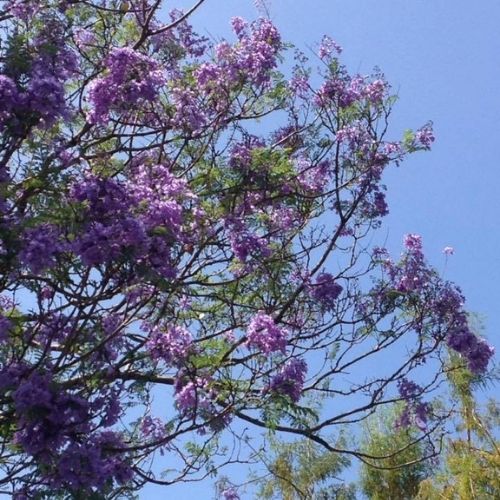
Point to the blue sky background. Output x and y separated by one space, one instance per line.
441 57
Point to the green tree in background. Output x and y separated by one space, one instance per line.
398 476
471 468
303 470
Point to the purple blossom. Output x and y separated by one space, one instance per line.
133 78
245 244
230 494
92 465
375 91
46 416
9 99
188 115
84 38
251 59
325 290
328 47
196 397
284 218
341 89
475 350
102 243
413 243
289 381
171 346
242 152
424 137
45 97
153 428
414 411
312 178
240 26
5 327
264 335
23 9
40 247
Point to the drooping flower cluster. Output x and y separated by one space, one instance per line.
289 381
415 411
413 277
265 335
133 79
476 351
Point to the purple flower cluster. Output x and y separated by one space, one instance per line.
424 137
476 351
23 9
312 178
289 381
230 494
345 90
40 247
153 428
325 290
196 397
92 465
141 218
413 276
189 114
171 345
415 411
251 59
54 64
245 244
133 78
414 273
47 418
328 47
241 153
55 428
9 99
178 42
42 99
5 327
265 335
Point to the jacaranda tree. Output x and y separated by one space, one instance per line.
187 256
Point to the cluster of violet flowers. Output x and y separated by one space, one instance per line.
36 96
415 411
412 277
55 428
132 79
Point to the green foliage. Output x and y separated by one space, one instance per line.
304 470
398 476
471 468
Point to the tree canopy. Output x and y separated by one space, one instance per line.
187 257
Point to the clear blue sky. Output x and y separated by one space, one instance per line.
442 57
